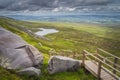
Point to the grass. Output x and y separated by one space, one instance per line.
98 30
57 43
71 38
6 75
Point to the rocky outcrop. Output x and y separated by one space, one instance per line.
61 64
31 71
15 53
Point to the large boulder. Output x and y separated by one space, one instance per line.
61 64
15 53
31 71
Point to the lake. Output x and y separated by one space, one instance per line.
44 31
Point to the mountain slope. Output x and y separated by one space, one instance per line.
15 27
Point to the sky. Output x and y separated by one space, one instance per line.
53 6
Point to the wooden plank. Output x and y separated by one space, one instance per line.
113 75
108 77
102 61
93 68
97 69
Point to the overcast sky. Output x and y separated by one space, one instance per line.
58 5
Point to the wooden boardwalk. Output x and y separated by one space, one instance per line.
93 68
100 67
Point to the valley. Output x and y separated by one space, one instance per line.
71 39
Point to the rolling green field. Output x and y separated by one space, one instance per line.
71 39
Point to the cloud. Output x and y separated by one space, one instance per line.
56 10
70 9
63 9
56 5
97 2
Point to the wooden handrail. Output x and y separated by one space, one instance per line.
86 53
98 49
112 74
114 63
102 61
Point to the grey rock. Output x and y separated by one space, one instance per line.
15 53
31 71
61 64
10 40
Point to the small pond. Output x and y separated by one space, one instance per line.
44 31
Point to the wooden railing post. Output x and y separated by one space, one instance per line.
83 60
99 70
114 65
97 52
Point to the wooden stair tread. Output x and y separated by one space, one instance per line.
93 68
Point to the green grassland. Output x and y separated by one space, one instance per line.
71 38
